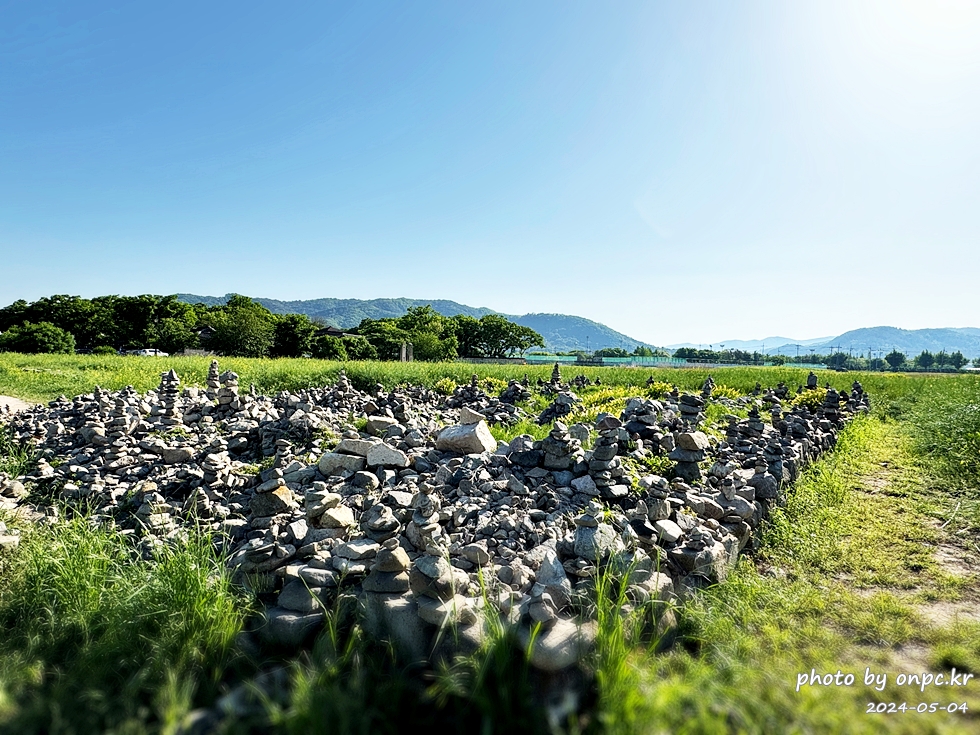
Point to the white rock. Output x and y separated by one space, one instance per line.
668 531
561 646
385 455
466 439
333 463
469 416
360 447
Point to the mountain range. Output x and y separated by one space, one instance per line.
561 332
863 341
767 345
886 339
565 333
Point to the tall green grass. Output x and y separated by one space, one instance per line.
44 377
795 607
95 640
15 458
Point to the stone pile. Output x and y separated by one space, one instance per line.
516 392
213 380
560 407
605 468
554 385
652 421
707 387
689 452
169 394
494 410
425 524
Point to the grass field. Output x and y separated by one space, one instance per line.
872 565
44 377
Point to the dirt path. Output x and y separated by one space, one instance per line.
956 559
14 404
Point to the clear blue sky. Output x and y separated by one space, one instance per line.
679 171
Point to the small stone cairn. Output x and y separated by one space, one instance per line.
561 451
688 453
515 392
228 392
690 409
169 392
605 468
707 387
561 406
213 381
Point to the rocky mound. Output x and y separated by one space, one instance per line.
404 500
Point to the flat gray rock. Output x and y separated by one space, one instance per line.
466 439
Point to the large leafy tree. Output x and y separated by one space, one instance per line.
242 328
895 359
500 336
385 335
293 336
70 313
467 331
358 348
171 335
432 335
43 337
925 359
326 347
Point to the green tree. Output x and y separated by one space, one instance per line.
500 336
895 359
293 336
957 360
171 335
925 359
611 352
71 313
358 348
242 328
419 319
777 359
430 347
467 331
133 317
384 335
432 335
16 313
326 347
641 351
43 337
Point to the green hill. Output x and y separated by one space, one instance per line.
562 333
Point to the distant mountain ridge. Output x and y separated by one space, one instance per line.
561 332
865 340
909 341
752 345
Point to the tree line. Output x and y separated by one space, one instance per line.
245 328
894 360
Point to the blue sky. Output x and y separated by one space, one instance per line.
679 171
